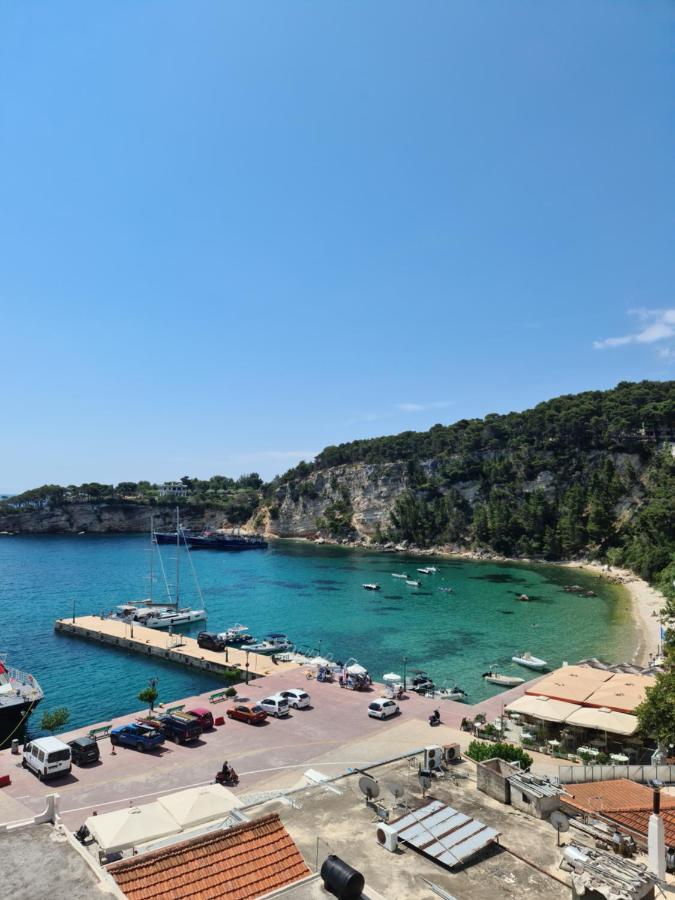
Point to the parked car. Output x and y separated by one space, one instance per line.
141 737
382 709
254 715
47 757
276 705
84 750
296 698
209 641
203 716
177 727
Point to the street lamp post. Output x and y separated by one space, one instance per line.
247 652
73 610
405 667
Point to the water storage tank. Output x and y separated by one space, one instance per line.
340 879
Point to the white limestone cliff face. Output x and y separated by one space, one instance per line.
102 518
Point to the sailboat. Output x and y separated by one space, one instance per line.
169 614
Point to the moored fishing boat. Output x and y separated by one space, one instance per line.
413 583
399 575
371 587
529 661
237 635
222 540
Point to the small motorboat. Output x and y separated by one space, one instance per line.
432 569
236 636
273 643
524 598
495 677
426 571
531 662
413 583
371 587
446 590
454 693
422 683
399 575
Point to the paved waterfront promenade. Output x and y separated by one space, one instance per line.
333 735
172 647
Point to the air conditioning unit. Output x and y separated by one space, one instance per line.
387 837
452 753
433 757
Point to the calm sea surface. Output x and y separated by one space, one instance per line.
311 593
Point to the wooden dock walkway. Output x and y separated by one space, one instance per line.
174 647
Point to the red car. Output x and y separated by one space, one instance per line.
203 716
254 715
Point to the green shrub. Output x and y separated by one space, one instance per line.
508 752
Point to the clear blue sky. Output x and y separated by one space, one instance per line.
233 233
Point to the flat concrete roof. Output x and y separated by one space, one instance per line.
524 865
39 862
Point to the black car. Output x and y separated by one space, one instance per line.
209 641
84 751
176 727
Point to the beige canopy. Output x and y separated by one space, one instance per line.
195 806
604 720
128 827
542 708
622 692
572 684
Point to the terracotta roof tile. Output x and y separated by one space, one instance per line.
606 796
239 863
637 820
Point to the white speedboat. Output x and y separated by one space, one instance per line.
273 643
236 635
531 662
495 677
399 575
426 571
371 587
455 693
413 583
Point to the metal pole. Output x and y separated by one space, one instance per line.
73 610
405 667
247 652
177 555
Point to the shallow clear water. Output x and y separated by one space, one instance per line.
312 593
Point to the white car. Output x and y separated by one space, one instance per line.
382 709
296 698
276 705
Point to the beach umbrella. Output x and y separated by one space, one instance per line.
319 661
356 669
128 827
201 804
392 677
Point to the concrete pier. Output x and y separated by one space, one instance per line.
174 647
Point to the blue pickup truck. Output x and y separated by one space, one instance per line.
141 737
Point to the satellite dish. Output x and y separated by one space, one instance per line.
396 789
559 820
369 787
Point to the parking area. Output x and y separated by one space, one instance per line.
335 729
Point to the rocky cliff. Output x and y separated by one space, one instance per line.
101 518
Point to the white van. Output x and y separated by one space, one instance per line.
276 705
47 757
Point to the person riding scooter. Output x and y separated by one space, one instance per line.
435 718
227 775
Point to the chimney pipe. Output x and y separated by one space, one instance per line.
656 843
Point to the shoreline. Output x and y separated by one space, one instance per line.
645 601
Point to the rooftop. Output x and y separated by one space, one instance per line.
607 796
240 863
587 686
523 864
38 861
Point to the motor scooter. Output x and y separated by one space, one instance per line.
227 776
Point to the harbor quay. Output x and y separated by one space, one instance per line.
176 647
334 735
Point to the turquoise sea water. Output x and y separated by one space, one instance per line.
312 593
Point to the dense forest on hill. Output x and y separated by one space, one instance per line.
590 473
